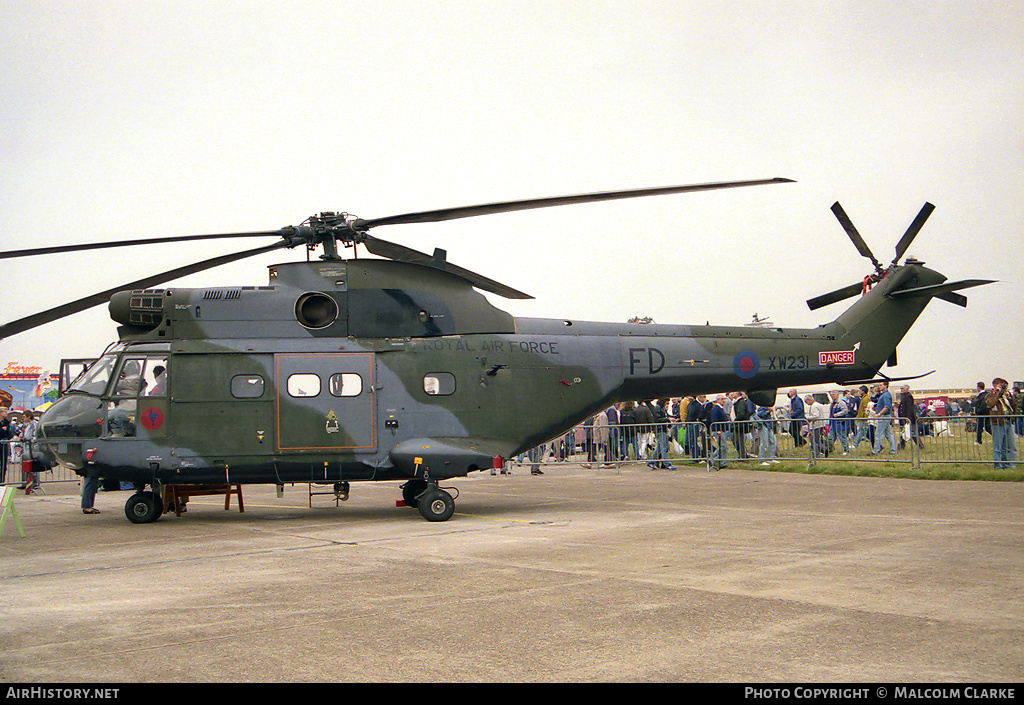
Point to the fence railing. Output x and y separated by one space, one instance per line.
931 440
12 470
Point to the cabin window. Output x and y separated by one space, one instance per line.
247 386
303 385
439 383
346 384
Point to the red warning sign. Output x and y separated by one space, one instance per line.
836 357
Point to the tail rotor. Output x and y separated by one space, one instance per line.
944 291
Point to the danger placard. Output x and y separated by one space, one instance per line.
836 357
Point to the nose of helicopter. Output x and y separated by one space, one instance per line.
70 420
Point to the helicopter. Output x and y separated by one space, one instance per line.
399 369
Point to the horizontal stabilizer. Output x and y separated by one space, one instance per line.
883 378
940 289
953 298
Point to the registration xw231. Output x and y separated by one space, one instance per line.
788 362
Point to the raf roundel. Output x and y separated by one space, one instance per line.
151 419
746 364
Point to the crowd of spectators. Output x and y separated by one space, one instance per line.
700 429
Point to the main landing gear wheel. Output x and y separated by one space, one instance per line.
436 505
143 508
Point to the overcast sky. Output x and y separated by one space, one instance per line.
123 120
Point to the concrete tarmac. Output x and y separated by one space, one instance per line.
576 575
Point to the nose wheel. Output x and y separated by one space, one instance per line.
436 505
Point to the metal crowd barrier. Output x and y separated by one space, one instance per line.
932 440
969 439
11 468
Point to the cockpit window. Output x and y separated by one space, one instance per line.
129 380
94 380
143 377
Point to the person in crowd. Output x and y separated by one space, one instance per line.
31 467
696 428
602 437
863 404
1000 412
1018 410
535 455
837 413
981 412
659 412
742 410
614 437
676 414
907 414
767 446
90 484
645 425
797 418
6 434
627 419
883 413
718 422
589 443
817 418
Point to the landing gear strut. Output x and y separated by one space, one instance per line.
411 492
434 503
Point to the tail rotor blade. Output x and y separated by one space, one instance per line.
908 237
838 295
858 241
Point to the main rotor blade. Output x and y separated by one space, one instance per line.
509 206
908 237
38 319
837 295
10 254
858 241
401 253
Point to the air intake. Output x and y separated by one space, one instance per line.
316 310
142 308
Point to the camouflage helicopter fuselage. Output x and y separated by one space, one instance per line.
380 370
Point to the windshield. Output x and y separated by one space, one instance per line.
94 380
